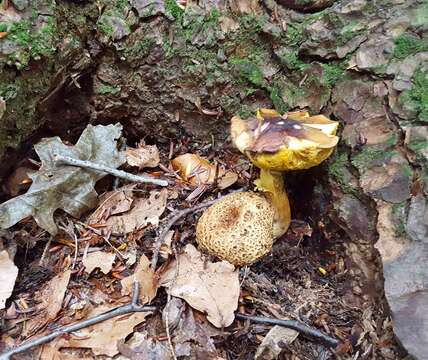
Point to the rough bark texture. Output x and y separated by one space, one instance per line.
165 72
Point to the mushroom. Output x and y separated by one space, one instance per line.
275 143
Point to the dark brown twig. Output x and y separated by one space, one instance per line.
121 310
305 330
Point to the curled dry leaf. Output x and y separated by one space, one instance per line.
143 346
143 156
145 276
209 287
144 211
51 296
103 337
8 274
113 203
199 171
274 342
99 259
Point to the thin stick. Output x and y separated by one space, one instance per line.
66 160
168 334
45 251
174 218
121 310
305 330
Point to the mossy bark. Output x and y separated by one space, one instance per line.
164 71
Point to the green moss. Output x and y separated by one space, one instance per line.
399 215
172 9
364 160
108 89
139 49
407 44
277 100
290 58
8 91
122 4
34 42
337 169
3 27
417 97
249 70
332 73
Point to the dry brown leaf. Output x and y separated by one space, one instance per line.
51 296
103 338
8 274
113 203
145 276
99 259
209 287
143 156
199 171
274 341
143 212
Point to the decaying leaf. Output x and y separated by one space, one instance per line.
143 156
8 274
51 296
198 171
99 259
145 276
103 337
144 211
209 287
113 203
274 342
64 187
144 346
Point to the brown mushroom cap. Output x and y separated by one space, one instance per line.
238 228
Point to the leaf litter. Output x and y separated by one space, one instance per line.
286 284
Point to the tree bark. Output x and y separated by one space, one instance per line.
165 72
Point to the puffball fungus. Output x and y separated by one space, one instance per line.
274 143
237 229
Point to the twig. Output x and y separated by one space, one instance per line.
178 215
45 251
66 160
168 334
305 330
121 310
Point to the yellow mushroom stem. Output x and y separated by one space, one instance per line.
272 183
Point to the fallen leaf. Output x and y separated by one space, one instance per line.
113 203
143 156
3 34
209 287
146 278
8 274
191 337
143 346
64 187
143 212
274 342
103 337
99 259
199 171
51 296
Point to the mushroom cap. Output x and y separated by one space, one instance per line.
292 141
237 228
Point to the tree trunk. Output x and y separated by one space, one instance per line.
165 72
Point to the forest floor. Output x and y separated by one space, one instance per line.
307 277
